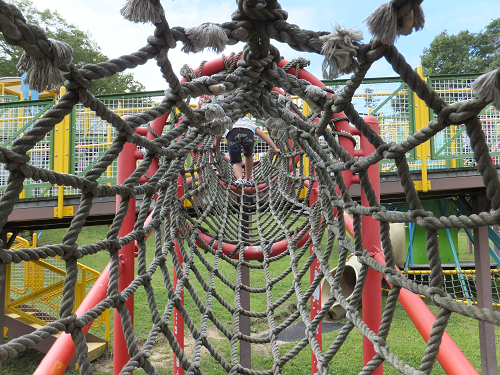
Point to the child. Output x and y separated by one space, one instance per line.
241 137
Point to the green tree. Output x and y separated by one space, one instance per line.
465 52
85 49
493 32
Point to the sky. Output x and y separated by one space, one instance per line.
117 36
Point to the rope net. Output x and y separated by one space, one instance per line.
269 219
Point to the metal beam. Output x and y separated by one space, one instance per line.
3 281
483 287
244 323
2 305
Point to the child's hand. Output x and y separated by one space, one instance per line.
277 151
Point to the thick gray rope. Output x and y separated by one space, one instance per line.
277 212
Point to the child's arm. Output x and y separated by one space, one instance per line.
218 139
268 140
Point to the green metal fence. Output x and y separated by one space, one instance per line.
452 144
392 103
92 136
86 137
16 117
396 108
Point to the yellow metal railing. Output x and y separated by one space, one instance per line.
32 290
61 161
424 149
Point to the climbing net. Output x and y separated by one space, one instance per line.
232 226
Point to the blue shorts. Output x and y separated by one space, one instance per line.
239 139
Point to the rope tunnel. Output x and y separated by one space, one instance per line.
227 256
283 216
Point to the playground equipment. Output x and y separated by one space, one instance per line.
348 283
353 267
33 297
258 217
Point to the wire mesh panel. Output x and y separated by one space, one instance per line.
17 118
460 284
35 288
453 142
8 98
93 136
391 102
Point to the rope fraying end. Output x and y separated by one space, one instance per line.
143 11
339 49
207 35
487 88
385 24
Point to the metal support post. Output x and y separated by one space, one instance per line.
3 239
372 292
2 305
316 296
483 287
315 309
178 321
244 324
126 166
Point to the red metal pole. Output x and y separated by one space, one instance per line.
315 309
126 166
178 321
450 356
58 358
316 296
372 291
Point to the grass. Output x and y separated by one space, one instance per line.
403 338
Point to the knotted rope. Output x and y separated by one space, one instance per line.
228 220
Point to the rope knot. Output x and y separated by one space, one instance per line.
45 69
69 321
487 88
12 159
117 300
298 63
419 213
113 245
260 10
71 251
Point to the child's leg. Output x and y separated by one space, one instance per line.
238 172
248 166
248 142
234 149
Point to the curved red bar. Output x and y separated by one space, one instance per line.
253 252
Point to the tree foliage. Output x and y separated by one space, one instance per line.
85 49
465 52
